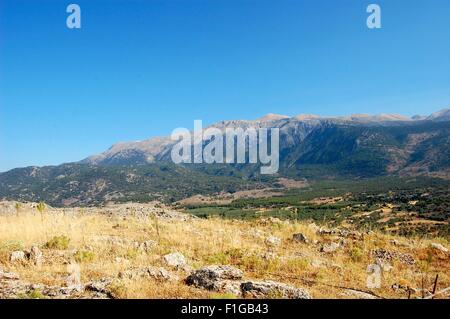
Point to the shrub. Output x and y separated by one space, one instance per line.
58 242
356 254
33 294
84 256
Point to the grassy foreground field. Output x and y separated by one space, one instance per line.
122 247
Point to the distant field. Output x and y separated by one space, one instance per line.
405 206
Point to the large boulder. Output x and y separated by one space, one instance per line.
273 289
217 278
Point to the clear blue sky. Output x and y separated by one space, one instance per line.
137 69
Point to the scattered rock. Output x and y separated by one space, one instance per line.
383 254
158 273
215 272
329 248
12 288
8 275
406 259
101 287
217 278
341 233
36 256
273 241
175 260
359 294
17 256
272 289
439 247
387 255
300 238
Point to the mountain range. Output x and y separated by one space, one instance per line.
312 147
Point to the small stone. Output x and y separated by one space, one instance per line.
8 275
273 241
101 286
17 256
36 256
329 248
439 247
301 238
175 260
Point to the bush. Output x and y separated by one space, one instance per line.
84 256
58 242
33 294
356 254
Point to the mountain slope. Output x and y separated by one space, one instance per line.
310 147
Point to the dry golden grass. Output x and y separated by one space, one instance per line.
211 241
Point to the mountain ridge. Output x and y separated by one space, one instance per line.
150 149
311 148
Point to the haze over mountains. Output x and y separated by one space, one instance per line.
312 147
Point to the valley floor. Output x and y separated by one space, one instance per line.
151 251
